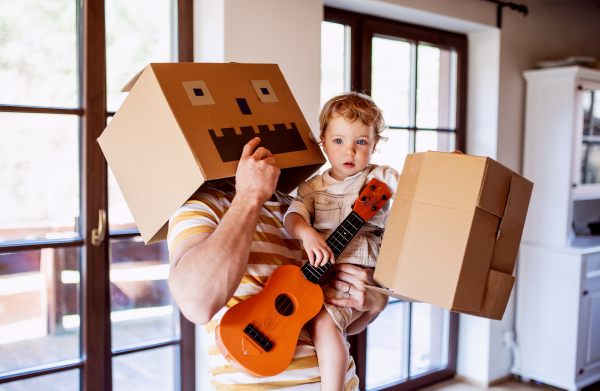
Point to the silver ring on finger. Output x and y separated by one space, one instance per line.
348 288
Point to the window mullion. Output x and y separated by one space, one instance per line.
409 339
187 345
96 327
347 58
412 94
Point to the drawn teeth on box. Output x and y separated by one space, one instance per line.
280 140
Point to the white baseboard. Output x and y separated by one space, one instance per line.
479 384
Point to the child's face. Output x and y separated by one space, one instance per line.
348 146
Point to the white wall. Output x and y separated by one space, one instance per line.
287 33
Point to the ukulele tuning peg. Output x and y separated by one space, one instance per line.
384 197
363 199
372 187
374 208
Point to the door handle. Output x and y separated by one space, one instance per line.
99 233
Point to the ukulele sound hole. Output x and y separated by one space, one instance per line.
284 305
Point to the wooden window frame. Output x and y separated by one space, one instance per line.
362 29
95 361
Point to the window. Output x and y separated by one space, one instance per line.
78 313
417 76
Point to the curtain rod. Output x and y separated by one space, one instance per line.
521 8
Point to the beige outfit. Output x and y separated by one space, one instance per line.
325 210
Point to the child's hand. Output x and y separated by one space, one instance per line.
318 251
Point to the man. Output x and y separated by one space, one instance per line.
224 244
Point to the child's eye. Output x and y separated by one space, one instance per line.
361 142
338 141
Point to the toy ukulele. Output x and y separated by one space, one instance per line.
258 336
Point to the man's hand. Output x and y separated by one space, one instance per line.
361 298
256 175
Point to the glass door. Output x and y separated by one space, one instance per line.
587 143
84 305
417 77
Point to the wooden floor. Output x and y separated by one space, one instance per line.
512 385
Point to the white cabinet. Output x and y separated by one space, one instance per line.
558 274
590 317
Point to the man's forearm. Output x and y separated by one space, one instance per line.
207 275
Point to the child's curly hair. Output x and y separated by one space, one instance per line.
352 106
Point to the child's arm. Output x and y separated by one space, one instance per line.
317 250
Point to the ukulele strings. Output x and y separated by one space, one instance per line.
349 220
336 232
357 229
275 314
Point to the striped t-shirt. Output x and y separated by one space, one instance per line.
271 247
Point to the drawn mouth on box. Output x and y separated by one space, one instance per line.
280 140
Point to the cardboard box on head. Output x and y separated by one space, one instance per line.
186 123
453 233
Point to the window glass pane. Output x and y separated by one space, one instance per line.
428 87
39 172
590 169
591 113
39 307
436 90
142 308
152 370
61 381
430 140
595 126
333 59
137 33
390 79
429 338
118 211
387 346
38 53
393 151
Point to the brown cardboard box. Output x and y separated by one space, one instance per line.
183 124
453 233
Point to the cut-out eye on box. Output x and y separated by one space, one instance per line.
198 93
265 92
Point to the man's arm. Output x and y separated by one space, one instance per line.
207 268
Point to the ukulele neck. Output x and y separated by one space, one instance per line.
337 242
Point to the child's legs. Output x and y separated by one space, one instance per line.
332 351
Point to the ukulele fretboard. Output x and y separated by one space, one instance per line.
337 241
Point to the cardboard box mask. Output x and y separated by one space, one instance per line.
185 123
453 233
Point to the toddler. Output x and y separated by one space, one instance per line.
350 127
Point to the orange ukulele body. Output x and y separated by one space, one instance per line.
258 336
242 351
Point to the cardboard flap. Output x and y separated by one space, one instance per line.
495 188
391 293
388 262
505 252
517 204
476 261
497 292
137 143
131 83
160 235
